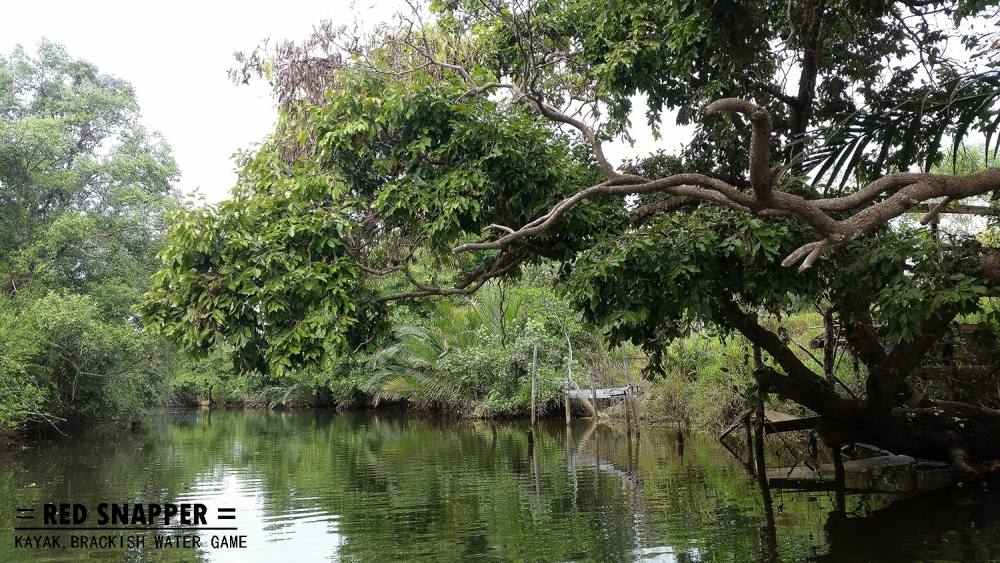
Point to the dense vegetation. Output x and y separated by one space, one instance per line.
436 201
445 152
86 196
84 192
470 356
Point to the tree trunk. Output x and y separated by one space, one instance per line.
938 430
829 346
941 430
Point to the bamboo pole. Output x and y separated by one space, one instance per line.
566 405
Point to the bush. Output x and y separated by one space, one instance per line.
61 360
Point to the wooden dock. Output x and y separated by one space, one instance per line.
606 393
777 422
889 474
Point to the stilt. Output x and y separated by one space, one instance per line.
765 487
628 416
839 478
569 379
629 410
593 388
534 384
761 465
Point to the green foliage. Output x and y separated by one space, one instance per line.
360 196
870 109
85 192
280 271
909 278
73 363
679 272
474 356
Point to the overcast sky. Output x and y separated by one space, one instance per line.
176 55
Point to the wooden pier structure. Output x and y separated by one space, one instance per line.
627 395
874 471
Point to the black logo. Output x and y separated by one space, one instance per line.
125 526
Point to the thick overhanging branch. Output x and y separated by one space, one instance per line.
880 201
870 207
798 383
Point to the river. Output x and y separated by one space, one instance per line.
386 486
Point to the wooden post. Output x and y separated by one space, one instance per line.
760 463
761 467
628 440
838 476
569 378
628 416
593 388
633 403
534 383
629 413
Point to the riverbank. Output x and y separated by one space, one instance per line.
702 382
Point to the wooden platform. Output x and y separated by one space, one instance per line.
891 474
605 393
783 422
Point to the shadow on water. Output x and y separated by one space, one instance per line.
395 486
956 524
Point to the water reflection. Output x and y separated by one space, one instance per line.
392 486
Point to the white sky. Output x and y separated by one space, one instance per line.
176 55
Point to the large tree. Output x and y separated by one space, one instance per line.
442 153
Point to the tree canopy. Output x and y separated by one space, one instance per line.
84 194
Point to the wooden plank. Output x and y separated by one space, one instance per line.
613 392
783 422
880 474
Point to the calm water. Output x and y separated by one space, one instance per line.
312 486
